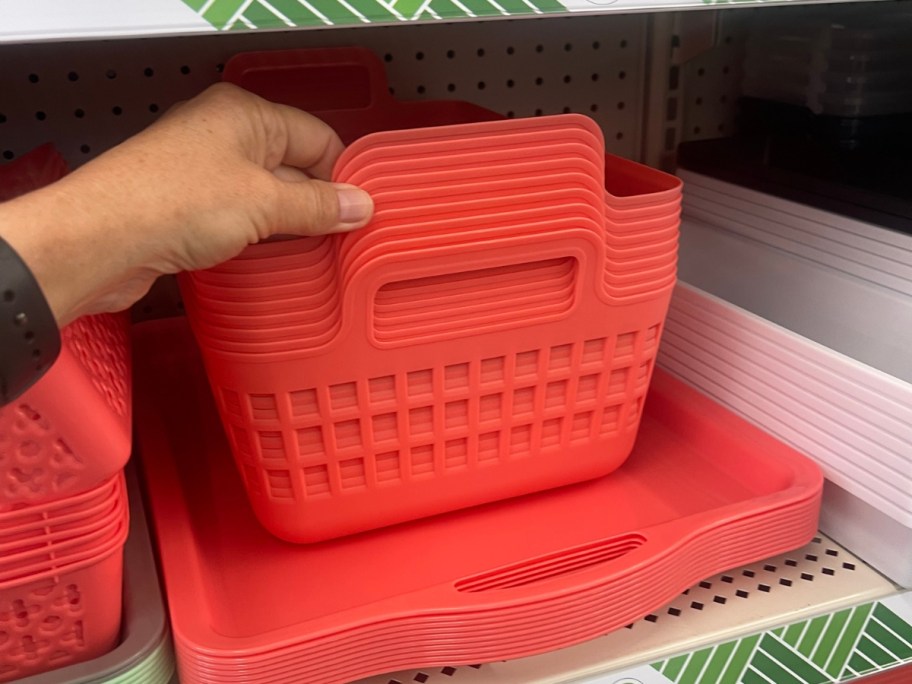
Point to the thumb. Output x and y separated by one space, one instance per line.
315 207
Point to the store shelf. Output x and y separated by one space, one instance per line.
87 96
40 20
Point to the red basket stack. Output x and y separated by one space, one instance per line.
490 334
63 506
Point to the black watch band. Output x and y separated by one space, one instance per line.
29 337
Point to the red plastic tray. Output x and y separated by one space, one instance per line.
703 491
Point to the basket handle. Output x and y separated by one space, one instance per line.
315 79
437 285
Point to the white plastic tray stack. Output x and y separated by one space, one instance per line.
824 360
845 62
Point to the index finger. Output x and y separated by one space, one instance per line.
305 142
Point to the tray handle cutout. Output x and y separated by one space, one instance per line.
551 566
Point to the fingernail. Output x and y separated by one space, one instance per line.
355 205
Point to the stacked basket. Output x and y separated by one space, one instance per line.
63 503
491 333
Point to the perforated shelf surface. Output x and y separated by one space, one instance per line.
742 610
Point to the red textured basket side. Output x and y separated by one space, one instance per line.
63 620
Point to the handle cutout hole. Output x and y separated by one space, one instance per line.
554 565
457 303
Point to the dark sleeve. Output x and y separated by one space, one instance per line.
29 337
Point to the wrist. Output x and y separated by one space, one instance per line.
69 249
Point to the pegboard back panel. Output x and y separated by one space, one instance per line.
86 97
712 80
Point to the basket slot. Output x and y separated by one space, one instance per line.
440 303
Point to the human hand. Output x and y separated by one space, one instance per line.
212 176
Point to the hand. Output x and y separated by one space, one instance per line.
215 174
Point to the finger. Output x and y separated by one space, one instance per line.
315 207
289 174
309 143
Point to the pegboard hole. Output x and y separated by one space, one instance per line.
2 118
33 78
594 77
567 110
419 56
538 112
111 74
623 43
481 85
725 70
420 90
510 83
73 76
41 116
451 54
85 149
721 128
697 130
539 48
698 101
567 78
79 113
116 111
148 72
185 70
701 71
451 87
510 50
621 105
511 115
593 108
619 136
480 52
8 154
622 75
153 108
387 57
568 47
219 68
596 45
539 81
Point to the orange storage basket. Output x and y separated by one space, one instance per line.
60 579
454 352
491 333
71 430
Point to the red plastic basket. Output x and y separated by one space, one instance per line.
35 169
346 87
71 430
465 347
60 580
